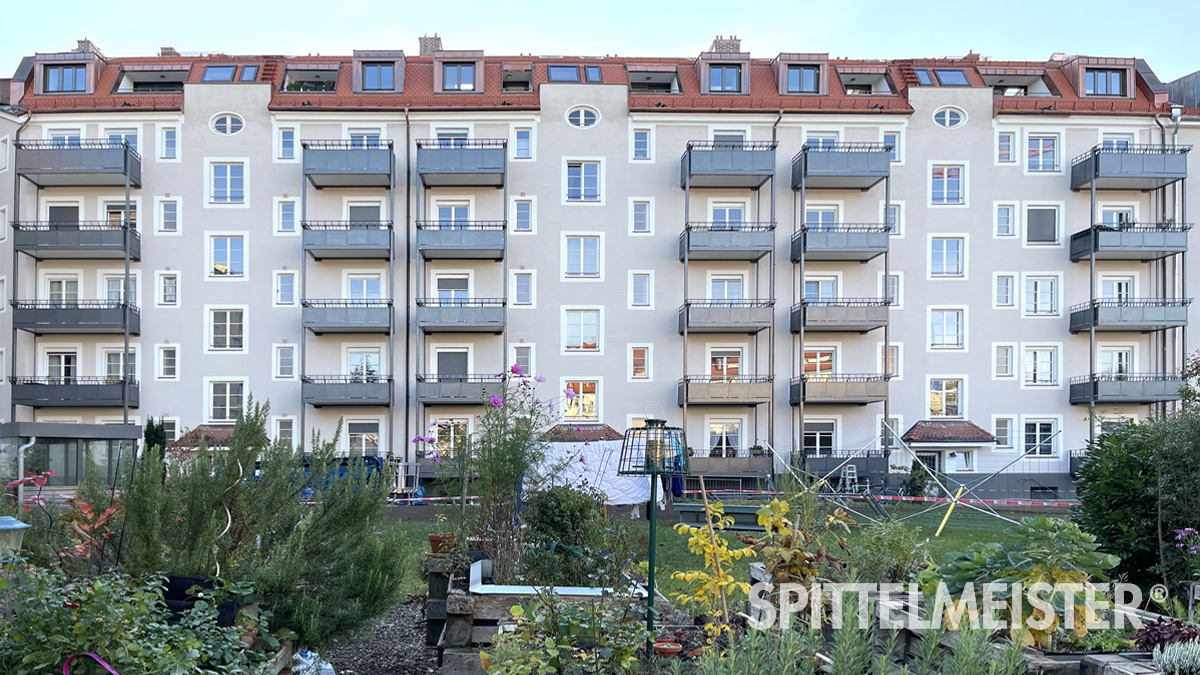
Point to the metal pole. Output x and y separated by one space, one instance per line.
303 297
653 545
1093 385
391 368
802 217
126 307
687 210
887 327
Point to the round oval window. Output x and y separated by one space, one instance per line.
227 124
949 117
583 117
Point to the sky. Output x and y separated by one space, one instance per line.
1165 34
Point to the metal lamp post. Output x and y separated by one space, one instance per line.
653 450
12 531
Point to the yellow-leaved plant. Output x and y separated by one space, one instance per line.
712 587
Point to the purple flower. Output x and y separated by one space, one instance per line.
423 439
434 423
516 370
1194 550
569 393
538 378
497 402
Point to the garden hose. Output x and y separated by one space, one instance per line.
228 518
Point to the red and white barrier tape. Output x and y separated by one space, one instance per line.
898 498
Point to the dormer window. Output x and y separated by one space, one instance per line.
65 79
803 79
378 76
952 78
138 81
1104 82
458 76
310 79
1007 83
562 73
517 77
218 73
654 82
724 78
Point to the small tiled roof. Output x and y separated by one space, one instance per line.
580 433
212 435
947 431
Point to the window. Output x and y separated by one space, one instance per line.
1039 437
218 73
287 216
946 257
582 117
287 143
1003 366
369 138
1005 290
729 139
1041 225
115 214
249 74
949 117
113 369
583 181
724 78
523 356
365 287
1041 366
168 216
803 79
639 363
639 289
1005 141
945 397
378 76
1116 218
641 144
285 362
1006 225
593 74
228 256
117 287
1043 153
821 139
1104 82
451 213
61 79
285 430
227 124
947 186
583 257
62 138
724 437
363 438
892 140
892 217
62 366
226 330
170 429
818 361
889 356
1004 432
1041 296
453 289
583 406
562 73
891 290
725 288
523 215
168 363
523 289
728 216
583 330
820 218
458 77
123 136
1116 360
285 289
63 290
452 436
818 438
946 328
523 149
168 290
1116 141
1117 288
952 78
226 400
169 148
228 183
924 78
363 364
820 288
858 89
887 431
641 217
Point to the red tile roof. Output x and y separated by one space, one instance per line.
947 431
579 433
214 436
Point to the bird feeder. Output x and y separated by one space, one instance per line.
12 531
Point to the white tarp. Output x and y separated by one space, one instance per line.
597 462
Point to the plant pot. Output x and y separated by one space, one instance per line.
441 543
177 600
667 650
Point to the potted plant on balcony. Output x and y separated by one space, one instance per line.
756 451
441 542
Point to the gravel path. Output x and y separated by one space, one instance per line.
396 648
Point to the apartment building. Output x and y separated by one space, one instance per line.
799 259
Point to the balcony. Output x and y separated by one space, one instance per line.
730 462
1141 316
88 162
461 240
1132 388
840 315
347 316
727 164
1132 167
457 389
349 163
359 239
462 162
477 315
870 464
77 240
840 389
845 242
84 317
1076 461
840 166
74 392
726 316
726 241
323 390
725 390
1134 241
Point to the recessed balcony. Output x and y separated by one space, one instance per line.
349 163
726 241
77 240
348 390
1133 241
840 315
348 239
840 166
844 242
1128 388
869 464
726 316
84 317
1129 167
475 315
458 389
461 240
839 389
347 316
1133 315
725 390
74 392
462 162
88 162
727 164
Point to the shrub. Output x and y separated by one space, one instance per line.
566 528
1181 658
888 552
1166 631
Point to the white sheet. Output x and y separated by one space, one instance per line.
596 463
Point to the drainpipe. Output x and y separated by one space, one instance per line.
407 280
21 467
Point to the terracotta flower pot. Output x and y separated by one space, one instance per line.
441 543
666 649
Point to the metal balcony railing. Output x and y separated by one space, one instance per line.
841 377
72 225
459 225
461 143
468 379
1131 149
843 302
728 303
74 304
345 379
725 379
764 226
346 144
752 146
77 143
1126 377
1156 302
342 302
336 225
471 302
847 147
81 379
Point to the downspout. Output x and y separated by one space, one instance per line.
21 467
1162 264
774 309
407 280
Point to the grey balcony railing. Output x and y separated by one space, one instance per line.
77 239
74 392
86 162
870 464
1125 388
458 389
725 389
474 315
347 238
1076 461
1130 167
1131 241
841 166
726 316
1141 315
348 162
848 315
841 242
839 388
362 389
76 316
726 241
346 316
461 240
462 162
727 164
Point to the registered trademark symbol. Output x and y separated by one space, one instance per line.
1158 593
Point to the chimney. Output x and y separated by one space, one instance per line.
167 51
86 46
430 44
726 45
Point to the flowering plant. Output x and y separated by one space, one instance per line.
1188 540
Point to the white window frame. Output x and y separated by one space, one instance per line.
1055 348
1015 293
963 399
434 351
1057 277
276 419
1055 435
158 361
3 222
531 127
599 380
899 132
744 440
277 147
160 141
1110 346
649 290
278 347
965 238
1015 223
209 162
136 128
512 355
512 277
898 233
208 328
275 276
1012 431
158 289
965 166
158 215
139 216
1062 162
600 339
207 411
649 347
601 174
649 231
929 310
1060 223
880 367
563 257
1014 361
277 217
1014 148
135 284
104 349
5 149
512 206
209 261
649 129
882 286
